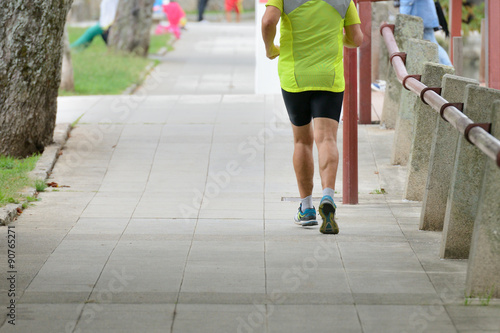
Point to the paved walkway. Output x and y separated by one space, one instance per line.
208 59
178 218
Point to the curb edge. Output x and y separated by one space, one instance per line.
42 170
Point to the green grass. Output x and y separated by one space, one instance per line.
14 177
158 41
99 72
484 298
377 191
40 185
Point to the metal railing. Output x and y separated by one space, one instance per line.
476 133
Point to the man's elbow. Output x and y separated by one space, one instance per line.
358 39
268 22
271 17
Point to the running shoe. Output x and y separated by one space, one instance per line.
327 211
306 218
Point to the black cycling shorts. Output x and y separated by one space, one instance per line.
303 106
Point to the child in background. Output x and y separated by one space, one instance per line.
235 5
106 19
176 19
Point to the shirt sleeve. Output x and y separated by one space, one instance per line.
351 17
108 13
276 3
406 6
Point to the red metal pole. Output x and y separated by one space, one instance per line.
365 58
493 12
455 22
350 129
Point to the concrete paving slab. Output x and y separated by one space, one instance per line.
51 297
44 318
221 227
160 226
308 279
106 211
152 248
223 279
134 317
91 226
375 257
117 278
213 318
474 317
321 318
389 282
401 318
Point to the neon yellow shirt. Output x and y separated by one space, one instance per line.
311 43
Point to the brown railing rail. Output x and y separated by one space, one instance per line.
477 134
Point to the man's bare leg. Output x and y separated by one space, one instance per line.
325 135
303 162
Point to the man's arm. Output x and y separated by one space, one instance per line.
269 22
353 36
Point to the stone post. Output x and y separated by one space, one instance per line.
461 209
443 151
406 27
483 277
424 127
418 53
380 13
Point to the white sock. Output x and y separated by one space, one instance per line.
328 191
307 202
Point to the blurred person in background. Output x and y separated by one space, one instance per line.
235 5
202 4
106 19
426 9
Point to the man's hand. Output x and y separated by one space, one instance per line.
273 52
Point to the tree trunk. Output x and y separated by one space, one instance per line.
67 79
131 30
30 71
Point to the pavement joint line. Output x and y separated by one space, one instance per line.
42 170
196 223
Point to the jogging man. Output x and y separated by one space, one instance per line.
311 73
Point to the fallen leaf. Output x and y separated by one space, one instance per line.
52 184
19 210
376 172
